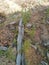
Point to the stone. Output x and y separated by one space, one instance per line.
12 27
3 48
29 25
33 46
46 43
44 63
48 55
47 21
2 18
12 23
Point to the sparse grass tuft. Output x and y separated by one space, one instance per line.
26 45
47 12
9 54
26 16
2 53
31 32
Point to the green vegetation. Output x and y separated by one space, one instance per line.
31 32
15 37
47 10
26 16
2 53
26 45
15 41
26 48
1 24
9 54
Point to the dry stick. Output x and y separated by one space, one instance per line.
19 42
